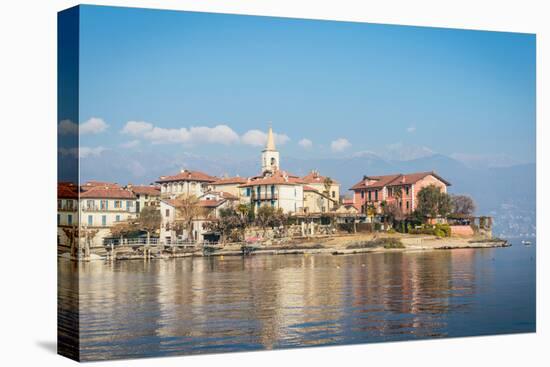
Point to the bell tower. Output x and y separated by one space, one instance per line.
270 155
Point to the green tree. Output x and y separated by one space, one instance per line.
432 202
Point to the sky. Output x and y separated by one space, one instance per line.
171 83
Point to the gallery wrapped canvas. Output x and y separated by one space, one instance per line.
233 183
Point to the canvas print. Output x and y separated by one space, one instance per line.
231 183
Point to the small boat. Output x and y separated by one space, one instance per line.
526 243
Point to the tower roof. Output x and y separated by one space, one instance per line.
270 140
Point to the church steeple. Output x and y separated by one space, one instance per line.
270 155
270 140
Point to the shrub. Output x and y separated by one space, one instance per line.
439 233
445 228
439 230
387 243
393 243
391 230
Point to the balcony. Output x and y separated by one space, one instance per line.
266 196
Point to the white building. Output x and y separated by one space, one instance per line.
211 203
186 183
101 207
145 196
273 187
229 185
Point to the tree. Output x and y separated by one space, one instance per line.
268 216
187 210
246 211
371 211
327 183
149 220
230 224
432 202
392 212
463 205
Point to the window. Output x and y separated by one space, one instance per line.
59 204
103 205
128 204
118 204
408 205
370 195
90 220
407 190
90 204
333 194
167 213
248 191
70 219
58 219
376 195
272 190
362 194
117 218
259 191
103 220
273 203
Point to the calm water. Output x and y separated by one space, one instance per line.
206 305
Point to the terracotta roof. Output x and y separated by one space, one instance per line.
92 184
186 175
145 190
66 190
107 193
211 203
309 188
171 202
204 203
222 194
396 179
347 202
315 177
277 178
230 180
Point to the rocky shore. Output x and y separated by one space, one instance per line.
334 245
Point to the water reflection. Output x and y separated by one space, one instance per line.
184 306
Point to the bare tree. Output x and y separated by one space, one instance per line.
463 205
149 220
187 210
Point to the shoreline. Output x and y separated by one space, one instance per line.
329 245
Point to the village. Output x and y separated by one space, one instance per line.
192 213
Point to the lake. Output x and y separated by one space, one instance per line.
137 308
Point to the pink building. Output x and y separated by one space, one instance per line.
373 190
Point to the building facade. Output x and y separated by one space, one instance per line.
101 207
145 196
188 183
323 184
397 189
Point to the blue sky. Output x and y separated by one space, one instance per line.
345 87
